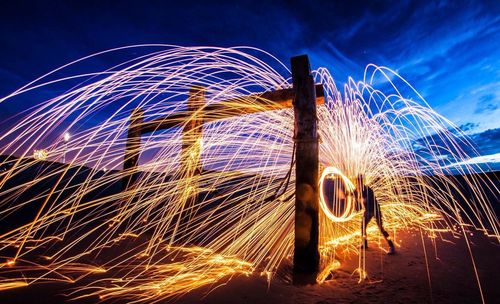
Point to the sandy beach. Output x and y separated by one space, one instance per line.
446 276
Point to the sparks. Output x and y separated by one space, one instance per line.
222 206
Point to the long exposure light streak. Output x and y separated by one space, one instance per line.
186 223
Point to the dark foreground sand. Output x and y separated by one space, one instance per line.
402 278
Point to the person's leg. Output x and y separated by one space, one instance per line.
366 219
380 225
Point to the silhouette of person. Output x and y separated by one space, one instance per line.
371 207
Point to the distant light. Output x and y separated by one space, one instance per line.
67 136
41 154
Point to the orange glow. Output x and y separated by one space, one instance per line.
183 224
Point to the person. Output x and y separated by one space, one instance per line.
371 207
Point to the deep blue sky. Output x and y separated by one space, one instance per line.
449 50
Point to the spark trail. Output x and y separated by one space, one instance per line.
176 230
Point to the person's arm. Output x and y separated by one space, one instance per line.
341 194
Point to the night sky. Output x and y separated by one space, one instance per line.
448 50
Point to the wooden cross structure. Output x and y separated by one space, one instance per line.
304 97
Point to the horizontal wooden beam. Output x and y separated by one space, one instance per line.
254 103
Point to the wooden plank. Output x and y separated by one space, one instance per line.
254 103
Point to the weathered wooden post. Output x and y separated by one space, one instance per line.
192 133
306 254
132 149
192 136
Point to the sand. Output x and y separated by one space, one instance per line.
401 278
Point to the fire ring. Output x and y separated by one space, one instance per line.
349 210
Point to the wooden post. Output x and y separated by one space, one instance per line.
132 149
192 133
306 254
192 136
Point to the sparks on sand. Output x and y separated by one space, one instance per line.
175 230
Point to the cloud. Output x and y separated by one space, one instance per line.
470 126
484 159
487 103
478 104
485 143
488 142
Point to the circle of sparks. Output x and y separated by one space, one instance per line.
349 210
